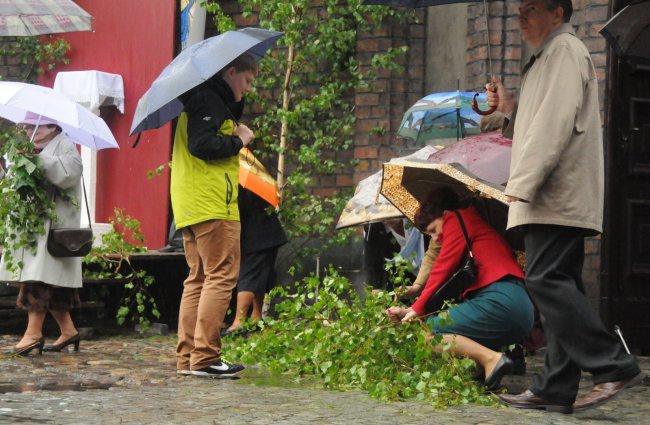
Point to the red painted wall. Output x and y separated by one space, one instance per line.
136 40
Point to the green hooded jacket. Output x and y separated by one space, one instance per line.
205 159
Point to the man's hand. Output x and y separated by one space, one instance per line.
501 98
244 133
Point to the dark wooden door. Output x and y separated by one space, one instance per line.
625 283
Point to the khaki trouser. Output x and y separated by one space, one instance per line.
212 253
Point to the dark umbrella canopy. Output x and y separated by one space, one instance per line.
629 32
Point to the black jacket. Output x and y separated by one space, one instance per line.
208 106
260 226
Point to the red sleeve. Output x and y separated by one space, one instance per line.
452 252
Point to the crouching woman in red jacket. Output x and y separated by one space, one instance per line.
495 310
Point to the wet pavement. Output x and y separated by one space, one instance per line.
131 380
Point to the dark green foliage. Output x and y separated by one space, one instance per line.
34 55
111 261
24 203
324 330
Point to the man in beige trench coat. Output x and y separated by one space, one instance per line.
556 194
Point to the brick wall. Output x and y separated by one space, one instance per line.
10 67
508 53
379 109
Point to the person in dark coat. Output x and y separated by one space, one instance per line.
261 237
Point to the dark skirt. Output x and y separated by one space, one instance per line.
41 296
257 271
495 316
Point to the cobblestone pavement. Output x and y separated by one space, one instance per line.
132 380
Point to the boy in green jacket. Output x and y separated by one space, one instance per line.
204 186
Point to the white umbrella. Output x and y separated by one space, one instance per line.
193 66
36 17
83 127
368 205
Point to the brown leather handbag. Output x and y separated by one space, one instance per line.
71 242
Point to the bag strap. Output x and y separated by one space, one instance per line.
462 226
83 185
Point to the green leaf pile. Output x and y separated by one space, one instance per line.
325 330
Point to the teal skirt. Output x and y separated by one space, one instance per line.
495 316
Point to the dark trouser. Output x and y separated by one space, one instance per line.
576 338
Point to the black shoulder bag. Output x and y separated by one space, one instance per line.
71 242
454 287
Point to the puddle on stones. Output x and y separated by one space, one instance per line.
22 387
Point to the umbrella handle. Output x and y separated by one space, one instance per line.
476 109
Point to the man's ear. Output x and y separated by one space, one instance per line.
231 71
559 14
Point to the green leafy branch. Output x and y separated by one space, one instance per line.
34 55
324 330
112 261
25 203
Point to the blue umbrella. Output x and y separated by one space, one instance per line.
193 66
441 116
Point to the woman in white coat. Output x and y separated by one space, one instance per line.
48 283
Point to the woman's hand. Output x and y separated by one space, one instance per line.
410 315
395 313
398 313
413 290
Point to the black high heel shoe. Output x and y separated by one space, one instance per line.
58 347
503 367
24 351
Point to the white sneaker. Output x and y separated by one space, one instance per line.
219 370
183 372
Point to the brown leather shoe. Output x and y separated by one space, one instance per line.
528 400
606 391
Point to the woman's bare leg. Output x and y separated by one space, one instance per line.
258 303
67 327
244 301
465 347
34 331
